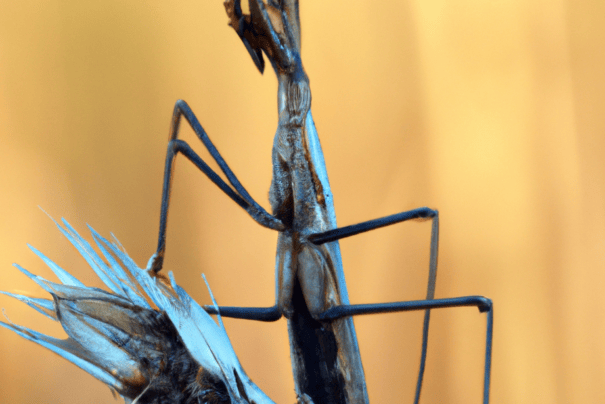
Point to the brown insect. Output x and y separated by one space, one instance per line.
311 290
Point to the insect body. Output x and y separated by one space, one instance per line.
302 205
115 345
310 288
303 202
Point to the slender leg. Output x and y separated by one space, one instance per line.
420 213
348 231
272 313
267 314
236 191
482 303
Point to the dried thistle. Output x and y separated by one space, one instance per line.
146 338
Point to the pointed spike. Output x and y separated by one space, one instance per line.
91 257
62 274
145 281
43 306
117 242
128 287
218 313
68 350
73 292
39 280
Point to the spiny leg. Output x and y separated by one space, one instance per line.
236 191
484 305
420 213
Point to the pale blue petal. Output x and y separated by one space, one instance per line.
140 275
39 280
117 242
193 339
73 292
62 274
218 316
130 289
98 339
44 306
207 342
68 349
91 257
197 326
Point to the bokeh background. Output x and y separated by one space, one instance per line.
491 111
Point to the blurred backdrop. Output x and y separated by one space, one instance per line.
490 111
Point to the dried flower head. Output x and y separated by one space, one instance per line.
147 339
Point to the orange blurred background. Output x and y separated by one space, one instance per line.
491 111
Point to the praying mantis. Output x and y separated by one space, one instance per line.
310 288
309 274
